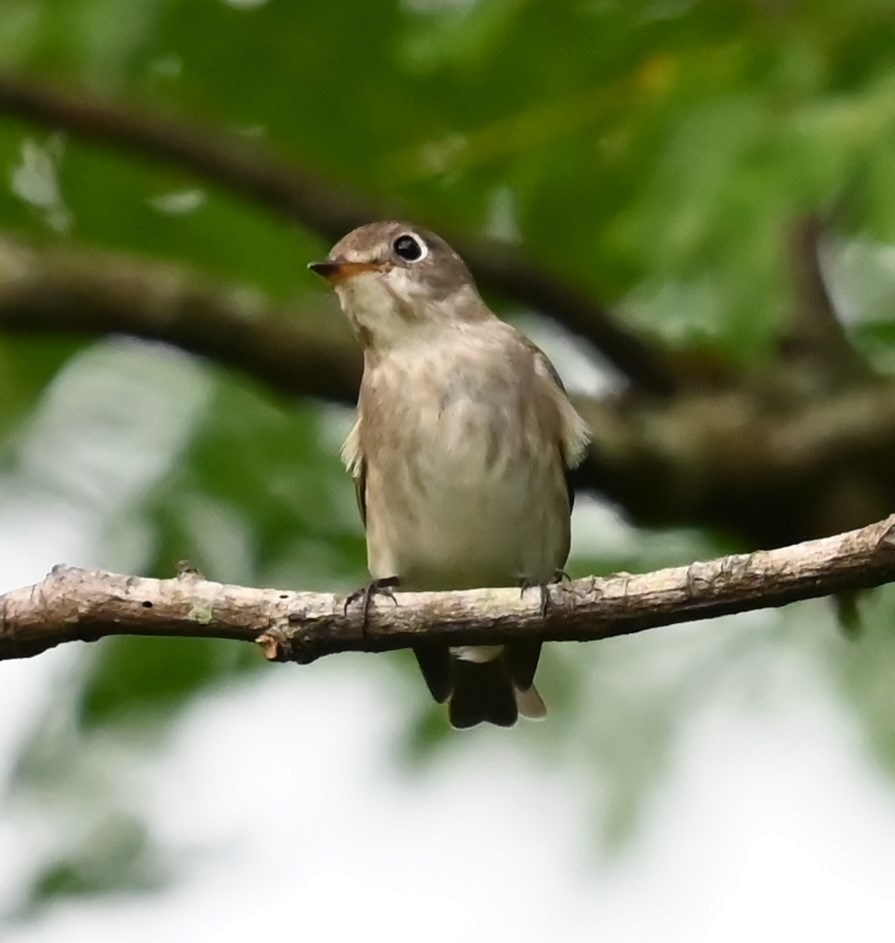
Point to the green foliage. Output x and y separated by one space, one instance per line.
654 151
259 496
863 668
116 856
147 679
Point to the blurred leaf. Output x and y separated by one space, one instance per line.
116 856
260 497
865 667
149 679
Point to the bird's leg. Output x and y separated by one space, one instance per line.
379 587
525 583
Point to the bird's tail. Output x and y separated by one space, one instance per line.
493 690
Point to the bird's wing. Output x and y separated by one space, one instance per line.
354 460
574 435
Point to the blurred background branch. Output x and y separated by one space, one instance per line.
66 291
305 198
816 334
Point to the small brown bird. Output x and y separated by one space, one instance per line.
460 452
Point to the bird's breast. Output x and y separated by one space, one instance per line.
464 490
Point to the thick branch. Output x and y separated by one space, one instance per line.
770 473
238 165
91 293
72 604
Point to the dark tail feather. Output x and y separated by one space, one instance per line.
522 661
435 664
482 691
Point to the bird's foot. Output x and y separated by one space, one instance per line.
526 583
559 576
380 587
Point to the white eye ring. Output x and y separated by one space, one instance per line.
410 248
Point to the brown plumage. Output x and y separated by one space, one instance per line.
460 452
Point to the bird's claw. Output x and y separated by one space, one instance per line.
559 576
525 584
380 587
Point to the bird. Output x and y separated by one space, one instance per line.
461 451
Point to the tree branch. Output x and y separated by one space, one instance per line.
62 291
770 473
73 604
816 333
296 193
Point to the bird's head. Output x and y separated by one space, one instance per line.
397 282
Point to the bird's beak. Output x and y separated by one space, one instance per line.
338 270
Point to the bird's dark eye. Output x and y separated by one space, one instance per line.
410 249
